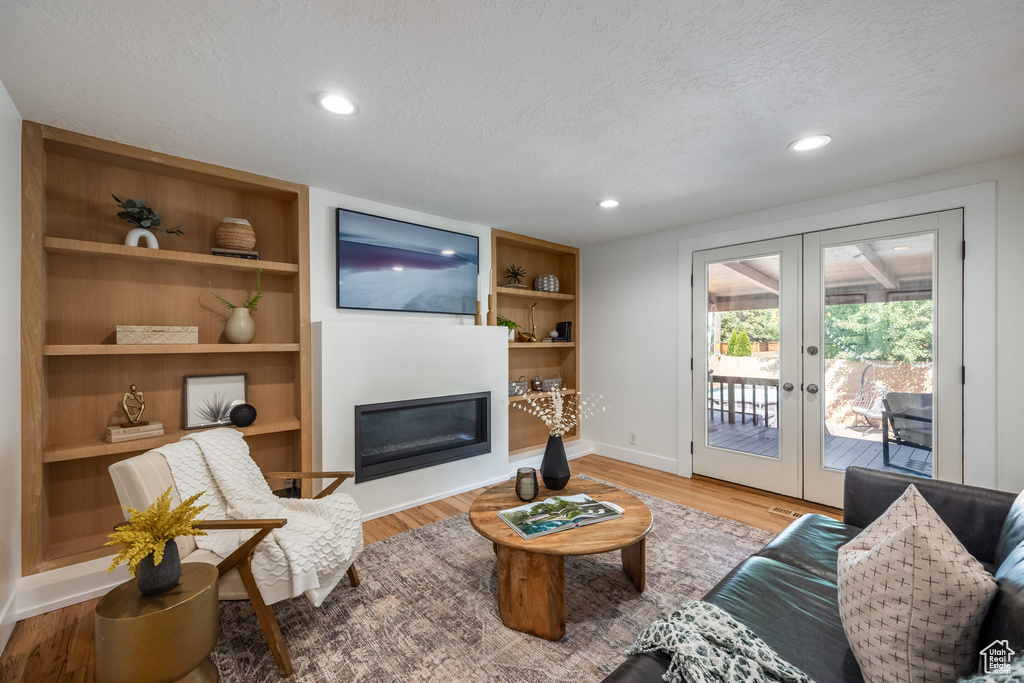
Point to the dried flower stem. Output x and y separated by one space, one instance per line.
559 413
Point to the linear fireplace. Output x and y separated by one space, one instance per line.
402 436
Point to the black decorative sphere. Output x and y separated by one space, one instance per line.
242 415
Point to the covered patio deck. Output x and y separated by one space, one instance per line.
840 452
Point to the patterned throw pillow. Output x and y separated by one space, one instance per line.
911 597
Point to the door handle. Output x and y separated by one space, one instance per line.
812 388
788 386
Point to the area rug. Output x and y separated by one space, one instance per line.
427 608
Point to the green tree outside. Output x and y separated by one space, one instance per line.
739 344
898 331
760 325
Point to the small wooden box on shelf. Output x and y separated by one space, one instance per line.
79 281
536 257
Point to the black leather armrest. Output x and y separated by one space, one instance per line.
975 515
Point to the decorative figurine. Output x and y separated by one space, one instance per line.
514 276
134 404
528 336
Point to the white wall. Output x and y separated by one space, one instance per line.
375 356
10 360
378 362
630 296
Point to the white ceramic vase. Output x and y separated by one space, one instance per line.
240 328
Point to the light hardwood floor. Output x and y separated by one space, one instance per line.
58 646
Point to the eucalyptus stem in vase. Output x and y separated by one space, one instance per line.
240 328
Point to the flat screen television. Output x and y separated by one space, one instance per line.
389 265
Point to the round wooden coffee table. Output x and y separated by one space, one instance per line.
531 573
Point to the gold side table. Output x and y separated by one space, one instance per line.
166 637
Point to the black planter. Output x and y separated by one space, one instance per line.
153 580
554 468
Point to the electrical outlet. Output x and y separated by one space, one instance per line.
632 438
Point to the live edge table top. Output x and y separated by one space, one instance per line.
591 539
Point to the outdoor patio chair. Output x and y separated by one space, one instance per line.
869 403
909 416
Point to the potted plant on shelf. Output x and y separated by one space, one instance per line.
560 414
240 328
147 542
144 219
510 324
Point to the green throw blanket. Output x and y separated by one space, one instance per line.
709 646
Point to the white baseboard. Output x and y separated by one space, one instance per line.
430 499
7 621
58 588
655 462
573 450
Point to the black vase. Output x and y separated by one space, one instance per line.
554 468
155 579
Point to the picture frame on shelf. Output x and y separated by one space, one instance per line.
208 399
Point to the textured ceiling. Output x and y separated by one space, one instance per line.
521 115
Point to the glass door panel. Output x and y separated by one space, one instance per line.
879 323
743 355
746 413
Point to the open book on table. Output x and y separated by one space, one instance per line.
557 514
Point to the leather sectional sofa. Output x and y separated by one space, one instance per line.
787 593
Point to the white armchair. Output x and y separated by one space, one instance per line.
141 479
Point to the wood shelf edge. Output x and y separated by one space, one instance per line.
540 345
162 349
101 447
67 246
66 553
539 394
534 294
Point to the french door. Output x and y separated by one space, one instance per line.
818 352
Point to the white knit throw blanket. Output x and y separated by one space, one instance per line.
308 555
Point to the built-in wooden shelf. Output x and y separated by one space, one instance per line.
81 549
119 252
162 349
541 345
101 447
533 294
539 394
79 282
542 311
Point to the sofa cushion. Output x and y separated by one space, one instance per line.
912 598
796 613
811 543
1004 620
1012 532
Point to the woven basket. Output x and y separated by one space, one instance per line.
236 233
547 384
519 387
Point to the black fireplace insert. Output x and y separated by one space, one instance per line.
402 436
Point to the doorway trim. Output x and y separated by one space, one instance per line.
979 204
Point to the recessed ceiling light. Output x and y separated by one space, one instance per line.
398 268
810 142
336 104
899 248
608 203
447 252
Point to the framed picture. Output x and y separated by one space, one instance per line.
209 399
391 265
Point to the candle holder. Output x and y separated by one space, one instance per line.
526 484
